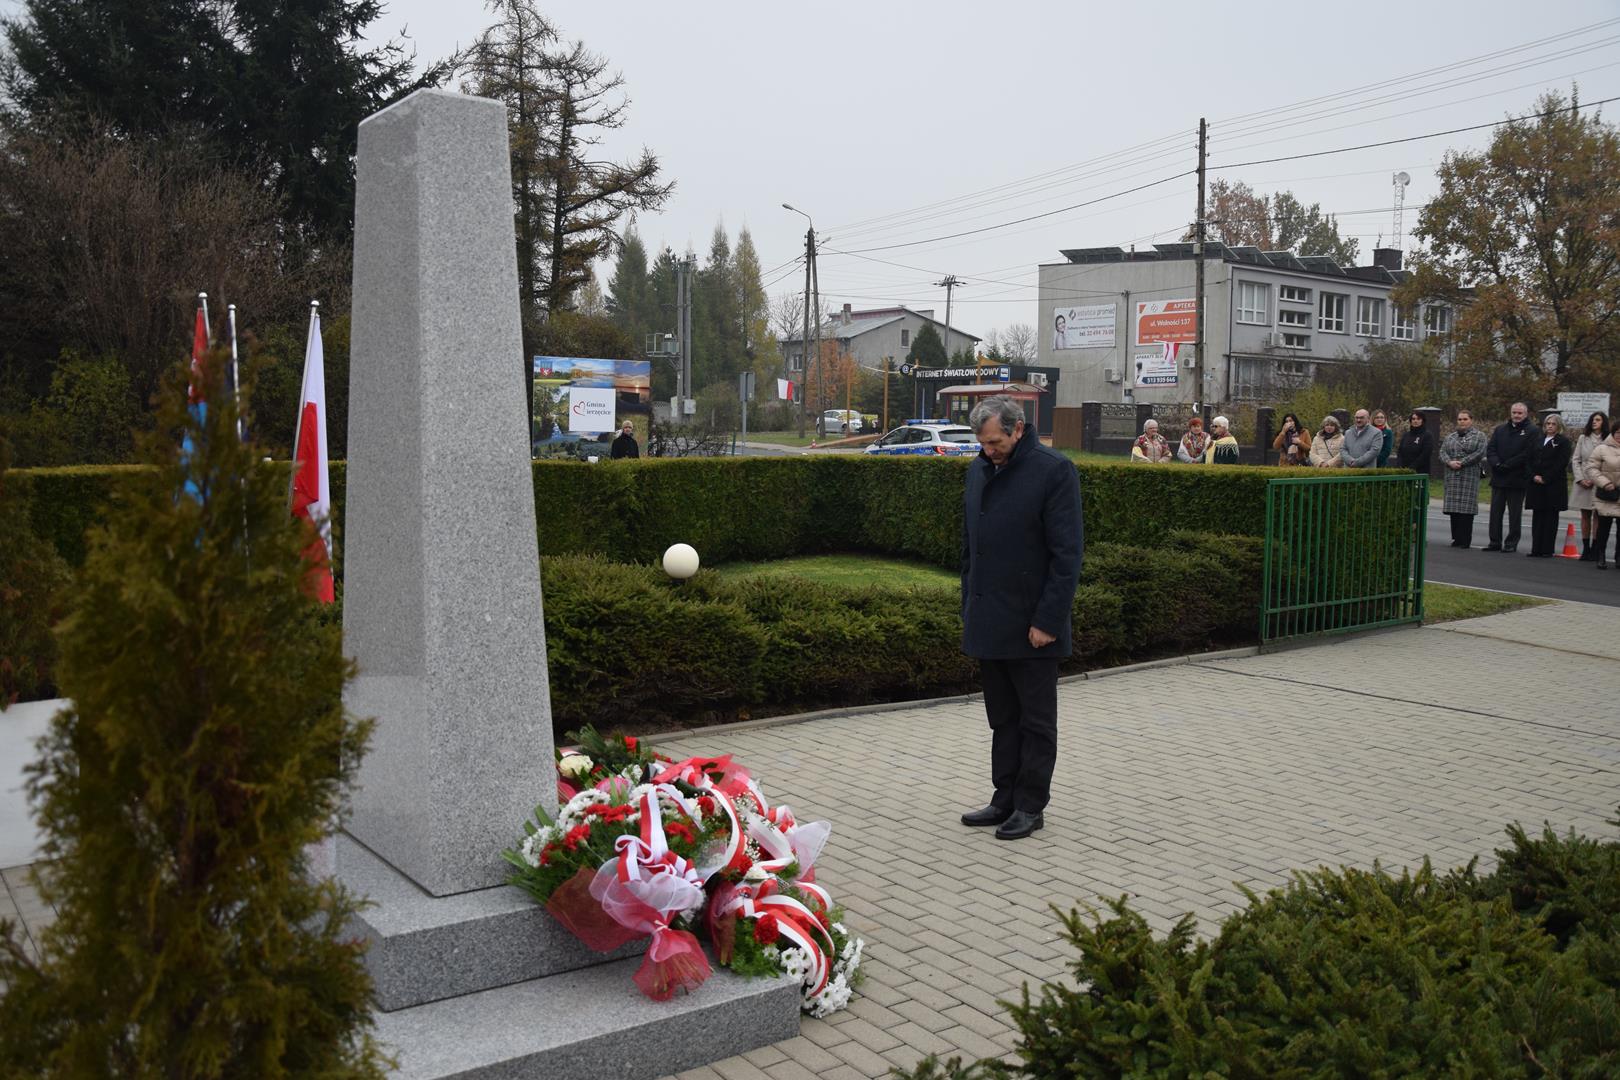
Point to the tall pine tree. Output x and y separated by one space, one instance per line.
628 297
206 747
759 344
716 316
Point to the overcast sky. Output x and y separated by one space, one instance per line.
949 116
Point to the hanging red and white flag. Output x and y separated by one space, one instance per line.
311 486
784 389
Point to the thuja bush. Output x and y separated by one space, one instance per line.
1348 973
205 748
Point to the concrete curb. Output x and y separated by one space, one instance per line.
956 699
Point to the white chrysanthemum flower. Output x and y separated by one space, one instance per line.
575 765
795 962
633 774
755 873
840 928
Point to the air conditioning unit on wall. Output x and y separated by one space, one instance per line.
1277 339
1111 375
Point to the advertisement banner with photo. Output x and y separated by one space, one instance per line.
1083 327
1166 320
1156 365
617 383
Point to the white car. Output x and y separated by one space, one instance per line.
928 437
841 422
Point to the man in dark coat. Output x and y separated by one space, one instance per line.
1508 455
625 444
1023 539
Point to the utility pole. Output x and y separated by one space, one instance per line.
804 342
815 291
1198 253
949 284
686 266
680 341
887 360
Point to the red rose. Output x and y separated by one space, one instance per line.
765 929
706 804
740 862
546 852
679 830
630 743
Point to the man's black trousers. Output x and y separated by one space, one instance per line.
1511 500
1020 700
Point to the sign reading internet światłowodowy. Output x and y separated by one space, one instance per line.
1166 320
590 410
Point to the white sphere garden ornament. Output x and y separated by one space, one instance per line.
681 561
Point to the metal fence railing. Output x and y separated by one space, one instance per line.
1343 553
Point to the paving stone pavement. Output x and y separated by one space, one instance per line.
1174 785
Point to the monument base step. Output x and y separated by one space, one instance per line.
588 1024
421 948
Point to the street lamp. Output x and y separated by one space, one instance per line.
809 277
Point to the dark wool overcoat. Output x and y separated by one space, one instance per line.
1550 461
1023 539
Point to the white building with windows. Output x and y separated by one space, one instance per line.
1119 324
870 336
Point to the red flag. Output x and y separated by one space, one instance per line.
311 489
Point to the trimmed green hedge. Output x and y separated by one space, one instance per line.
762 508
629 648
1347 973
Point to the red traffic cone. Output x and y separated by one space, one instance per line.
1569 551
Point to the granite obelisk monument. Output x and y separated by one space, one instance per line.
441 569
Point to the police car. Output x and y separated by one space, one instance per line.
928 437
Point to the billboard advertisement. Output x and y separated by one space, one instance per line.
1166 320
1156 364
1089 327
576 396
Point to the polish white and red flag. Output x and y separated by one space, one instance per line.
784 390
311 485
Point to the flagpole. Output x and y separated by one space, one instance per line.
298 426
202 298
236 382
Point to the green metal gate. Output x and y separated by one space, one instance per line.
1343 552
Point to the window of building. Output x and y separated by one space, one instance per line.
1296 341
1330 313
1301 319
1369 316
1293 369
1294 294
905 337
1436 320
1402 327
1253 303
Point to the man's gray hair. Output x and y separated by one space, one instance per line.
1150 423
1001 407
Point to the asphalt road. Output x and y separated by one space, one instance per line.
1557 579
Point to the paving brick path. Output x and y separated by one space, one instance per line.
1174 785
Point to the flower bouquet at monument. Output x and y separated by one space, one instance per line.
647 846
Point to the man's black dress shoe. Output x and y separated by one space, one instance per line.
1506 548
1019 825
990 815
1491 547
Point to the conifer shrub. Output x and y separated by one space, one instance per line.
205 749
1347 974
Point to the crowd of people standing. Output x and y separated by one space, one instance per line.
1539 467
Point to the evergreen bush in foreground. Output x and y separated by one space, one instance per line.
206 748
1348 974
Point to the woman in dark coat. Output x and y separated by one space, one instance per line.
1416 450
1549 486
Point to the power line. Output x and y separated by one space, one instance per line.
1414 138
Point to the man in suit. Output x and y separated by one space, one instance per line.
1023 539
1508 454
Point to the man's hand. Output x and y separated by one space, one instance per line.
1455 464
1039 638
1539 480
